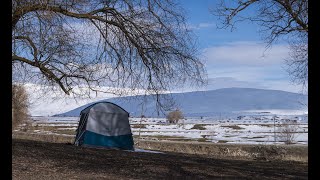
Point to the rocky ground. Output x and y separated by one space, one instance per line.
44 160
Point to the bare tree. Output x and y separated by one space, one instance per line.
277 18
287 131
174 116
81 45
298 62
19 105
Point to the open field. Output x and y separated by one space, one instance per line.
277 152
193 149
245 131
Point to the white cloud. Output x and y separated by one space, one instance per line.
228 82
242 73
248 64
206 25
284 86
201 26
232 82
245 53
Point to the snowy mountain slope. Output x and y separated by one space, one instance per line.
211 103
47 102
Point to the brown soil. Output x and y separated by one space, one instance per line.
44 160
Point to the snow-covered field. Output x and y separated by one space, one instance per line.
244 130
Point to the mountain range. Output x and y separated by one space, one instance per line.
226 101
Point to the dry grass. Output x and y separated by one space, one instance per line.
199 127
65 131
138 126
232 127
43 137
202 140
228 136
255 137
291 153
266 125
43 160
222 141
161 138
29 128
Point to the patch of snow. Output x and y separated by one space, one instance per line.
147 151
73 128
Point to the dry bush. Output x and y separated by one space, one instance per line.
287 131
137 126
199 127
233 127
174 116
19 105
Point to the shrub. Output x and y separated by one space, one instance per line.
199 127
137 126
232 126
142 116
19 105
287 131
174 116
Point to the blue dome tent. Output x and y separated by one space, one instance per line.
104 124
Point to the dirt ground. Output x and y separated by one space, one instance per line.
44 160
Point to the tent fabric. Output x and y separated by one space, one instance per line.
113 126
104 124
94 139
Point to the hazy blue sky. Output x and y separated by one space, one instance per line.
238 58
